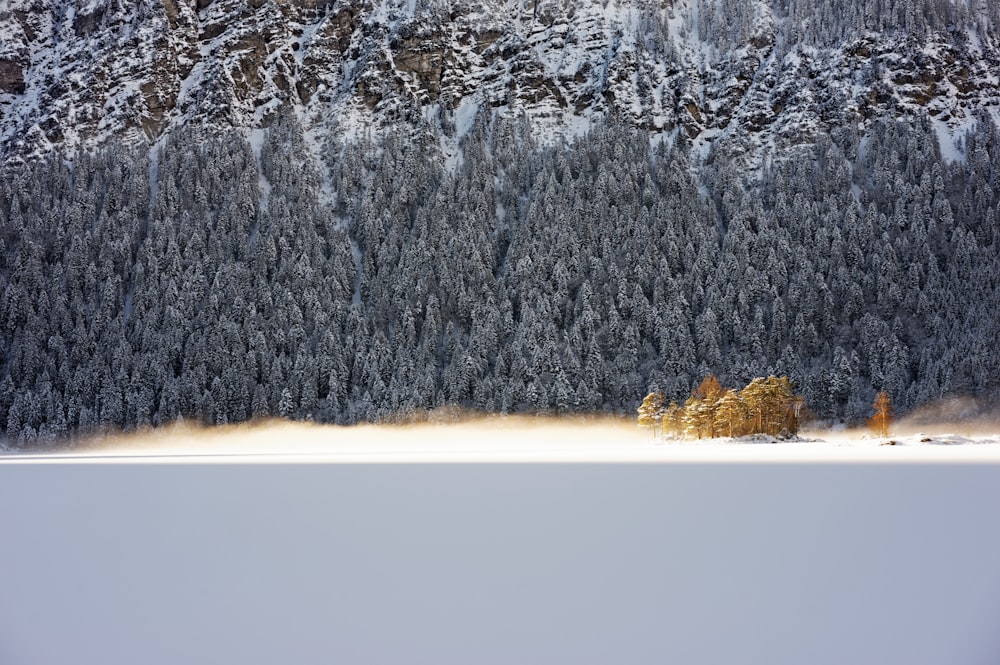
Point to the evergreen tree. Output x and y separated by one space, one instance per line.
651 411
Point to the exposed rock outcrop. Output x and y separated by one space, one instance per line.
73 75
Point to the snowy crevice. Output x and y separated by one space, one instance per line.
256 138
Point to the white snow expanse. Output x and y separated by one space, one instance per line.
505 544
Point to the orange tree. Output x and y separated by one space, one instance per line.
882 418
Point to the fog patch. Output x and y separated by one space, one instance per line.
966 416
436 435
459 437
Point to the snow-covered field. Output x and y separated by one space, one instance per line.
505 544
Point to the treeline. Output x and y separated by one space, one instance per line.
764 406
217 284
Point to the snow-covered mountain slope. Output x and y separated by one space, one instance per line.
741 74
770 216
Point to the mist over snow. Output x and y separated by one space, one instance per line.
516 439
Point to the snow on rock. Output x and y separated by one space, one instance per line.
75 75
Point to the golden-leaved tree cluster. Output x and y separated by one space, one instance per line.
763 406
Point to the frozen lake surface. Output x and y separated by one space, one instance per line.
501 546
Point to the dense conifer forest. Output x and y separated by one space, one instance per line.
218 281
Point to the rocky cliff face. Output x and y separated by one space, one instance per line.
740 76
